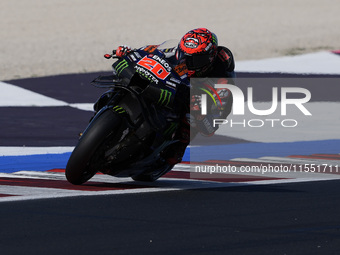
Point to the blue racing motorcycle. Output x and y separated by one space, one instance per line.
135 122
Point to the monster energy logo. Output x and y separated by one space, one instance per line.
214 38
121 66
164 98
118 109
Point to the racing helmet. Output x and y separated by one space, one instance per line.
198 49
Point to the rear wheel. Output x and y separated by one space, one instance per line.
79 167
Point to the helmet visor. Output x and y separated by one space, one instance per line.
197 61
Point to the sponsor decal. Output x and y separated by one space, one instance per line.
118 109
164 97
121 66
150 48
156 65
181 69
146 74
171 84
223 55
262 115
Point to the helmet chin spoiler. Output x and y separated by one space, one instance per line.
197 61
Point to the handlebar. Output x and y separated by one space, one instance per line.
113 55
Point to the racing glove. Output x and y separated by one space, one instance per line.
202 123
123 50
220 109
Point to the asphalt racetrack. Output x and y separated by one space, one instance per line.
41 213
301 218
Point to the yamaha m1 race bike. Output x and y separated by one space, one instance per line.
135 121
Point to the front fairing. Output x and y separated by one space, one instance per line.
165 51
150 70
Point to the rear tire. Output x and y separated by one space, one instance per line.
78 169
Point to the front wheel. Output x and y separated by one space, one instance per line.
79 167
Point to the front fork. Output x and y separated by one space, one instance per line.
103 100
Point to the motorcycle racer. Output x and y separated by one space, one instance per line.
199 55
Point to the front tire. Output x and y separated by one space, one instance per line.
78 169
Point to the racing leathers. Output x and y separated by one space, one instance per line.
223 69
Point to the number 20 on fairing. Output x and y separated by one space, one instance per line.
154 67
